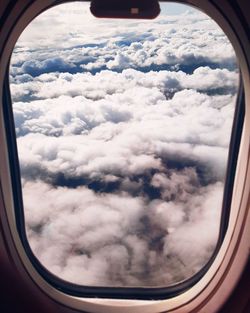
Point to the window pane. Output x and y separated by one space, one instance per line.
123 131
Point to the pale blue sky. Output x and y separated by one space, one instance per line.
174 8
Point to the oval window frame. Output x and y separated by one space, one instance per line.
9 202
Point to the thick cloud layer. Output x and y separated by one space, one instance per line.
123 131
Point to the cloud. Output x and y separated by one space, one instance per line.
54 85
165 43
35 68
139 240
123 137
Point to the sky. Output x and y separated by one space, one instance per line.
123 128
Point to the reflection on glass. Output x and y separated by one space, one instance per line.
123 129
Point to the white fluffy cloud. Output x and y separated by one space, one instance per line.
108 83
123 131
133 243
186 41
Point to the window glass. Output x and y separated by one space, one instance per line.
123 131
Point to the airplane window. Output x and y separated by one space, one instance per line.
123 130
